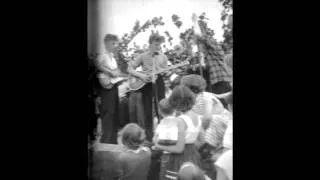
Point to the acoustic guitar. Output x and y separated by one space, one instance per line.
136 83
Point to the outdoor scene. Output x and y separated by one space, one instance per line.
160 91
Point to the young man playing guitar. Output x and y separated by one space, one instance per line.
154 88
109 92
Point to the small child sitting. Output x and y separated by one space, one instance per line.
167 131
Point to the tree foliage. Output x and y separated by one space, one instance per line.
227 19
180 52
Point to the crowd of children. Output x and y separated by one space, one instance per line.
193 140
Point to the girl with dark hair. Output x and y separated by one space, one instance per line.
189 126
206 102
215 120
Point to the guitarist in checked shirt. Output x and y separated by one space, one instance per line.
109 96
150 61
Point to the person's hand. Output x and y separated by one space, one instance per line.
206 122
116 73
145 77
155 148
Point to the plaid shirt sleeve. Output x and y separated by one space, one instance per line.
216 64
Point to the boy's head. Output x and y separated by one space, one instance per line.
189 171
110 42
165 108
132 136
155 41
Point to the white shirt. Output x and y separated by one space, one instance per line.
107 61
228 136
192 131
167 131
225 162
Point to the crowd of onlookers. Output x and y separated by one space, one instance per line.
193 139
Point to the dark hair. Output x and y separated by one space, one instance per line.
165 107
175 82
132 136
195 82
110 37
182 98
190 172
156 38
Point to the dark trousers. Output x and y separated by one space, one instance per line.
149 91
220 88
136 109
123 112
109 114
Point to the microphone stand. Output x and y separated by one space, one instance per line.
155 89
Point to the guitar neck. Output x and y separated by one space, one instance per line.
185 62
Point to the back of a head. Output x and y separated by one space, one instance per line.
110 37
189 171
156 38
165 108
195 82
182 99
132 135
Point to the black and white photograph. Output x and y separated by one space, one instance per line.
160 89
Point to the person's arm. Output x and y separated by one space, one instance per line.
224 165
133 64
221 174
228 136
200 140
208 107
179 147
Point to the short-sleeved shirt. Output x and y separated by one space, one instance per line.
145 60
107 60
167 130
192 132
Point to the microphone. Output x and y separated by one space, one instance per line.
155 54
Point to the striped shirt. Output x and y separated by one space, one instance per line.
213 135
207 99
146 61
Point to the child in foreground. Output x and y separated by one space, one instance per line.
166 134
135 161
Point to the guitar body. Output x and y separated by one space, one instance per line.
108 82
135 83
